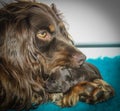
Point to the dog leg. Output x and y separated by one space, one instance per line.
89 92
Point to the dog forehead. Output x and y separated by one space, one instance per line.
40 18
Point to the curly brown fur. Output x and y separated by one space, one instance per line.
33 44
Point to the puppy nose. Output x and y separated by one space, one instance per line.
79 58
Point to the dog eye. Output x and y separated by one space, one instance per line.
42 34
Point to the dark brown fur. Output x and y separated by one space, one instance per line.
78 84
62 79
27 61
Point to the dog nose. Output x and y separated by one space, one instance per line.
79 59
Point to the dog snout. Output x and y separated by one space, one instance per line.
79 58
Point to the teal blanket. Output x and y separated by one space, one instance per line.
110 70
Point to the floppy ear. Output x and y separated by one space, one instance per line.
1 40
1 32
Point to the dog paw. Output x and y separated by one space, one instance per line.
96 91
72 96
105 88
89 92
69 100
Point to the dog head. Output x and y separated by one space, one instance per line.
33 33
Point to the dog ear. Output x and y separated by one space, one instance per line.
1 40
1 33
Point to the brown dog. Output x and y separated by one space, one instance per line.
34 44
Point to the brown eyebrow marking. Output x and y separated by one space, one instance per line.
52 28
